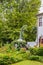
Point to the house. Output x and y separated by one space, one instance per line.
39 39
40 29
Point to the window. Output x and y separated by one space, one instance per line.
40 21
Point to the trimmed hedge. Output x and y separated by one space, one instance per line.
40 51
33 57
36 51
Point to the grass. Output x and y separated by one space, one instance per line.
28 62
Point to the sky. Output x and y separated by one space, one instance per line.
41 8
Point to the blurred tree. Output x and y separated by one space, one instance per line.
16 13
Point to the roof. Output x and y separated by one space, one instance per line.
40 14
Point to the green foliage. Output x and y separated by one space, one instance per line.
36 51
26 55
23 50
33 51
20 43
9 56
5 60
13 15
40 51
33 57
41 58
9 59
36 58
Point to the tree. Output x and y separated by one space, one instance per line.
15 14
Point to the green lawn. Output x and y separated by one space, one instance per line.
28 62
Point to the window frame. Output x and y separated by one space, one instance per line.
40 21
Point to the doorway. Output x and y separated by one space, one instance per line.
41 41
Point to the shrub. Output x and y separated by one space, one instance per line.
36 51
23 50
3 62
34 57
26 55
33 51
40 51
6 59
41 58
